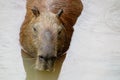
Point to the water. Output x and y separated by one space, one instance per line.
33 74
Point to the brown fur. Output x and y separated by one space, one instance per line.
71 11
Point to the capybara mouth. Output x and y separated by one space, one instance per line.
44 68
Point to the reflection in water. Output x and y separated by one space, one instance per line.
33 74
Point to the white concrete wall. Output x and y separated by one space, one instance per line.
11 16
95 48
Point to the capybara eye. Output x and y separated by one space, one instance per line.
35 29
59 32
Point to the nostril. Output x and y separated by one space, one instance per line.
41 57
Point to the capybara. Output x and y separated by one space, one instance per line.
47 29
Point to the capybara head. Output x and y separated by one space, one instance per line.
48 35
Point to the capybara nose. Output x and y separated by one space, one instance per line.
45 63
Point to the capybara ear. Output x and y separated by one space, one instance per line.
35 11
59 13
